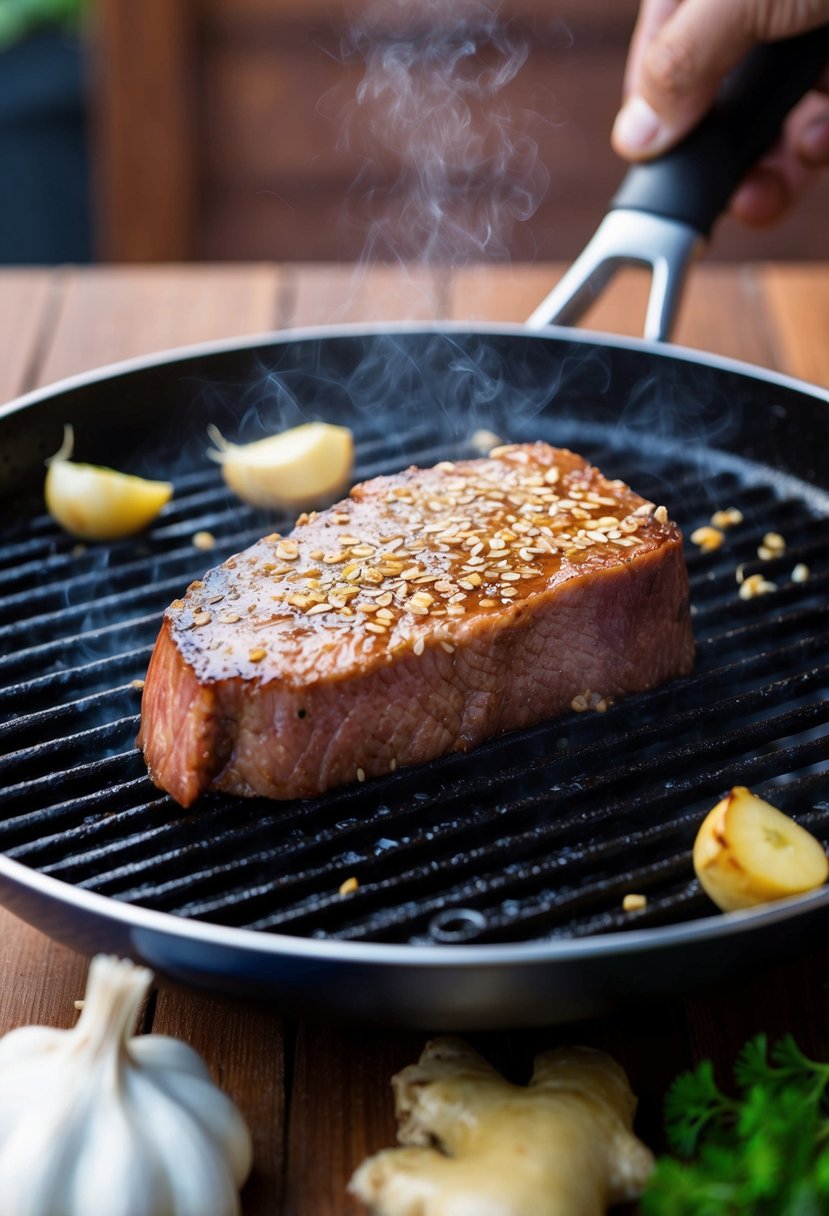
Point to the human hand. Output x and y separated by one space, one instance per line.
680 51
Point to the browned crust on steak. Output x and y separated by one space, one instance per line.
506 587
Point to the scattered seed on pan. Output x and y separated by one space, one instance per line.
707 538
755 585
634 903
728 518
361 774
137 685
801 573
773 546
204 540
350 885
590 700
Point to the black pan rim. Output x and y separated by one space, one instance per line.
16 877
663 350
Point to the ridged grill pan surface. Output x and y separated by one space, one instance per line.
490 885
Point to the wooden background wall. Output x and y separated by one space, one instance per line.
219 128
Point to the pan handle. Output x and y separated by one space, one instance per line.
694 181
664 208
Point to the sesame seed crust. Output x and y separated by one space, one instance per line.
426 613
413 562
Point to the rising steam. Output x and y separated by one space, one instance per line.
449 161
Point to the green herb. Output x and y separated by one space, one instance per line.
763 1152
21 17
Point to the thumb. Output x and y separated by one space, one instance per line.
676 75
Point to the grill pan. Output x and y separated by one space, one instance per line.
490 884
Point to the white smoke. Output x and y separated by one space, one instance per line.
450 163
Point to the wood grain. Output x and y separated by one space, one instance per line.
723 312
797 301
39 980
27 303
341 1111
108 314
333 294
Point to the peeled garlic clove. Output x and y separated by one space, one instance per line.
97 503
747 853
298 469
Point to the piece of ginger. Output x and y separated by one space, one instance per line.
480 1146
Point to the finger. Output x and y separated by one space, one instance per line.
762 198
813 142
679 71
678 75
809 130
790 167
653 14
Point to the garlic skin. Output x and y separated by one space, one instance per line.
94 1122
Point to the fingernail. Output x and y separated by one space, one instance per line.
637 126
814 142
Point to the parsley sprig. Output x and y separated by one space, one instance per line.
763 1151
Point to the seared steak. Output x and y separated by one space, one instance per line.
422 615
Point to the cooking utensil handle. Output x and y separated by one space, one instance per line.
693 182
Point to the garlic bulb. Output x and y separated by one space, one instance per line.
93 1121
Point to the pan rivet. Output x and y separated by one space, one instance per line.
455 925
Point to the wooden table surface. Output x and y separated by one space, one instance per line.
317 1096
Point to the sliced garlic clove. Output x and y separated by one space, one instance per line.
297 469
747 853
92 502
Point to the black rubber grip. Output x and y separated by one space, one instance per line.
694 181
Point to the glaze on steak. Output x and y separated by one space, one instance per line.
425 613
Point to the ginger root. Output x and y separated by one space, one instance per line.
480 1146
